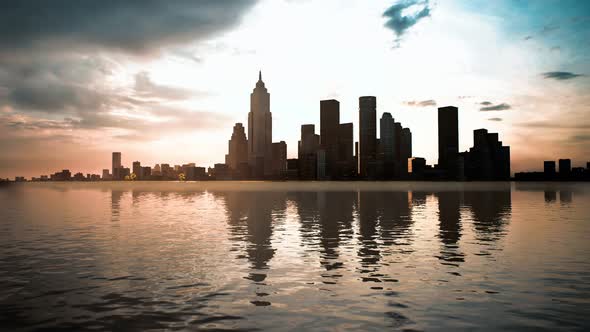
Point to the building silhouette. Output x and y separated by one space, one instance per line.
237 157
329 132
116 165
388 144
488 159
448 139
405 148
307 152
279 159
565 167
136 169
367 133
260 131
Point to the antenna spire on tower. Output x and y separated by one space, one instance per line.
260 75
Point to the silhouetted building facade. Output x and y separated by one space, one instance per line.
237 151
565 167
405 151
137 169
329 132
549 169
279 159
448 139
488 159
260 131
387 144
307 152
367 133
116 165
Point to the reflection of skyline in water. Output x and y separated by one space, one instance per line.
210 258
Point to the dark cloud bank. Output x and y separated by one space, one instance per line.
135 26
488 106
56 57
423 103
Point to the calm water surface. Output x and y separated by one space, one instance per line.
294 256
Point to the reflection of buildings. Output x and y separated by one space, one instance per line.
250 218
336 213
449 216
491 211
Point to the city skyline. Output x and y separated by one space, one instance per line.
171 95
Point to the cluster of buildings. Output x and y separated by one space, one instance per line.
551 173
332 154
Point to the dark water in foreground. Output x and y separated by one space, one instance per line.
294 256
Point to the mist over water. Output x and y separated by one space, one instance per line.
280 256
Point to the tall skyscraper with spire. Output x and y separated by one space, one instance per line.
260 131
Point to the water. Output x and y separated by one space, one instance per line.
294 256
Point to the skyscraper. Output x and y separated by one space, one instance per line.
387 140
136 169
279 159
308 147
116 165
346 165
367 132
329 128
238 148
448 138
260 131
405 150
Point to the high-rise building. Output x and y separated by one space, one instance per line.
488 159
260 131
238 148
367 132
307 151
346 167
405 150
279 159
565 167
387 144
137 169
448 139
105 174
116 165
549 168
329 130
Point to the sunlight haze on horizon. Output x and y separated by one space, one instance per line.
165 82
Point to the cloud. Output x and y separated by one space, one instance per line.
560 75
134 26
405 14
528 37
486 103
495 119
553 125
145 87
423 103
499 107
579 138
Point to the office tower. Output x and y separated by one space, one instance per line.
260 131
448 139
488 159
565 167
146 172
105 174
346 166
196 173
549 169
307 151
279 159
405 150
238 147
116 165
329 129
157 171
292 169
387 144
137 169
367 132
418 165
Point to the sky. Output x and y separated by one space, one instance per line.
165 81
